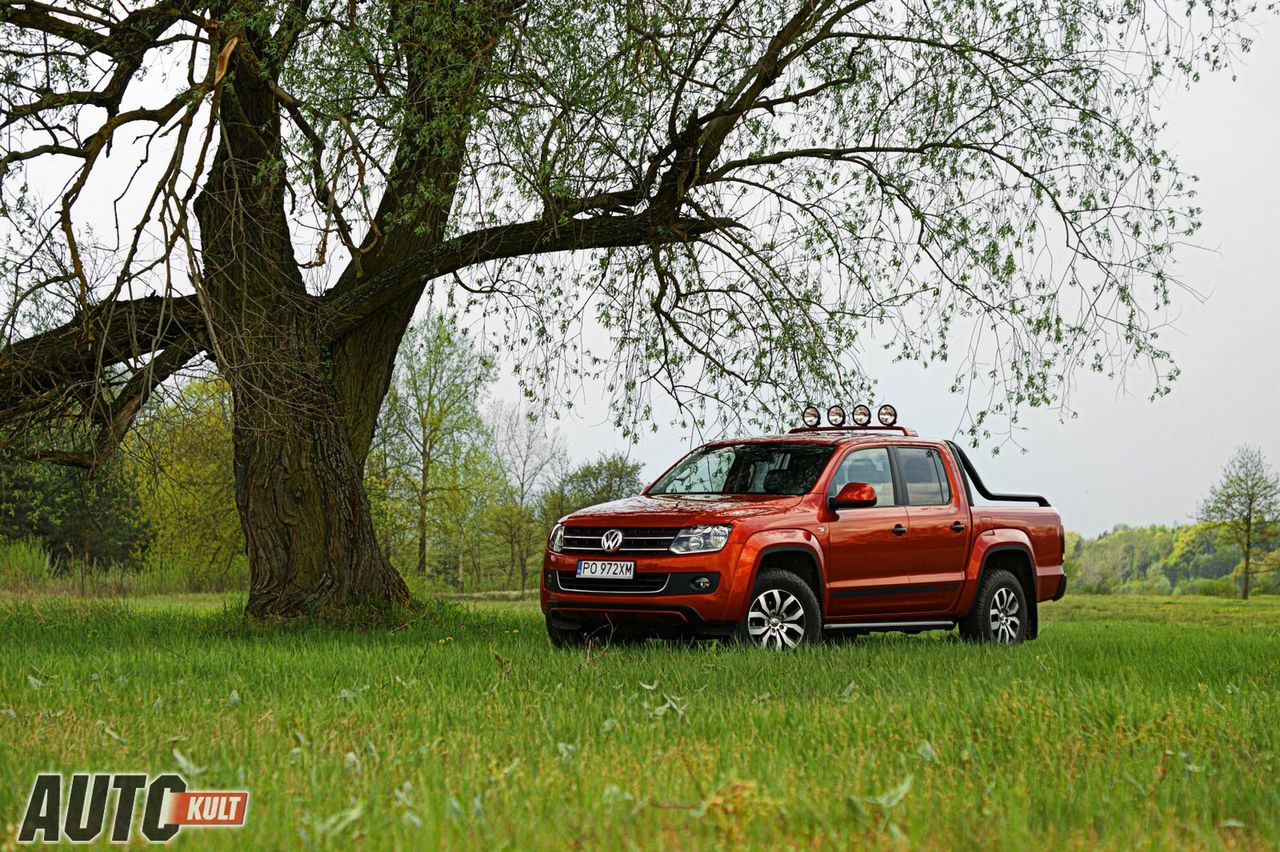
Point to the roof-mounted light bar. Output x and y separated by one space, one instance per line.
859 417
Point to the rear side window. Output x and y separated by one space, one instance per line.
924 476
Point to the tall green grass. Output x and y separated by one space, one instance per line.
1130 722
27 569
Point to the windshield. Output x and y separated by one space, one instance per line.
746 469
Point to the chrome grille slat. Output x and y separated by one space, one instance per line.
581 540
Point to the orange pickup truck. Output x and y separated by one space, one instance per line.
778 540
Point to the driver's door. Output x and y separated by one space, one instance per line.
868 565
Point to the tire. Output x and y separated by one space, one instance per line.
782 615
999 612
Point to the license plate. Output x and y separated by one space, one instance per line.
606 570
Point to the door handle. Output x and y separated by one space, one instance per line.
957 527
899 529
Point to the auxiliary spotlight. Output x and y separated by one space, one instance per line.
861 415
835 415
812 417
888 415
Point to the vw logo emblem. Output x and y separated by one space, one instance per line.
611 541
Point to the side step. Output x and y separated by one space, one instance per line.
908 626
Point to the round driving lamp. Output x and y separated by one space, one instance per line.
812 417
888 415
861 415
835 415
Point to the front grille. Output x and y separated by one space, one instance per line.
634 539
641 584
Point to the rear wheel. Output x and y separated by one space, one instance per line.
783 613
999 612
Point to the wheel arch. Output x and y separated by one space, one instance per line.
1015 558
796 558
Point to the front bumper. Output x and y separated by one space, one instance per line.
665 594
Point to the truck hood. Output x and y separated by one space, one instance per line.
681 510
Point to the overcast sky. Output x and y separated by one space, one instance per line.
1125 459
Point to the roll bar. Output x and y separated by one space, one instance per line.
971 475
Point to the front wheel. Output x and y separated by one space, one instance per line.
783 613
999 611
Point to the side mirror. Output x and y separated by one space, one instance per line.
854 495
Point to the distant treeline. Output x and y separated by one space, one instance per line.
1163 560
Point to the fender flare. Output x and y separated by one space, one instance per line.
993 543
761 544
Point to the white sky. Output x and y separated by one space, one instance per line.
1125 459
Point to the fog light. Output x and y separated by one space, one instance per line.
701 583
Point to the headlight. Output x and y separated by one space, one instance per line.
706 539
556 542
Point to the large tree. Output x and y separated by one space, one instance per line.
739 193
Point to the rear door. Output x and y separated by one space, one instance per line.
868 563
939 523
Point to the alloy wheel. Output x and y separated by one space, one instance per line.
1006 621
776 619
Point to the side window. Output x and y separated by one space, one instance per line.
924 476
869 466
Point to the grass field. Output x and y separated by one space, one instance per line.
1130 722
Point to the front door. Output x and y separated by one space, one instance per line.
868 564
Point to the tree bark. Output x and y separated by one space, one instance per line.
307 519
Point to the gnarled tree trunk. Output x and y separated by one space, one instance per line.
299 488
